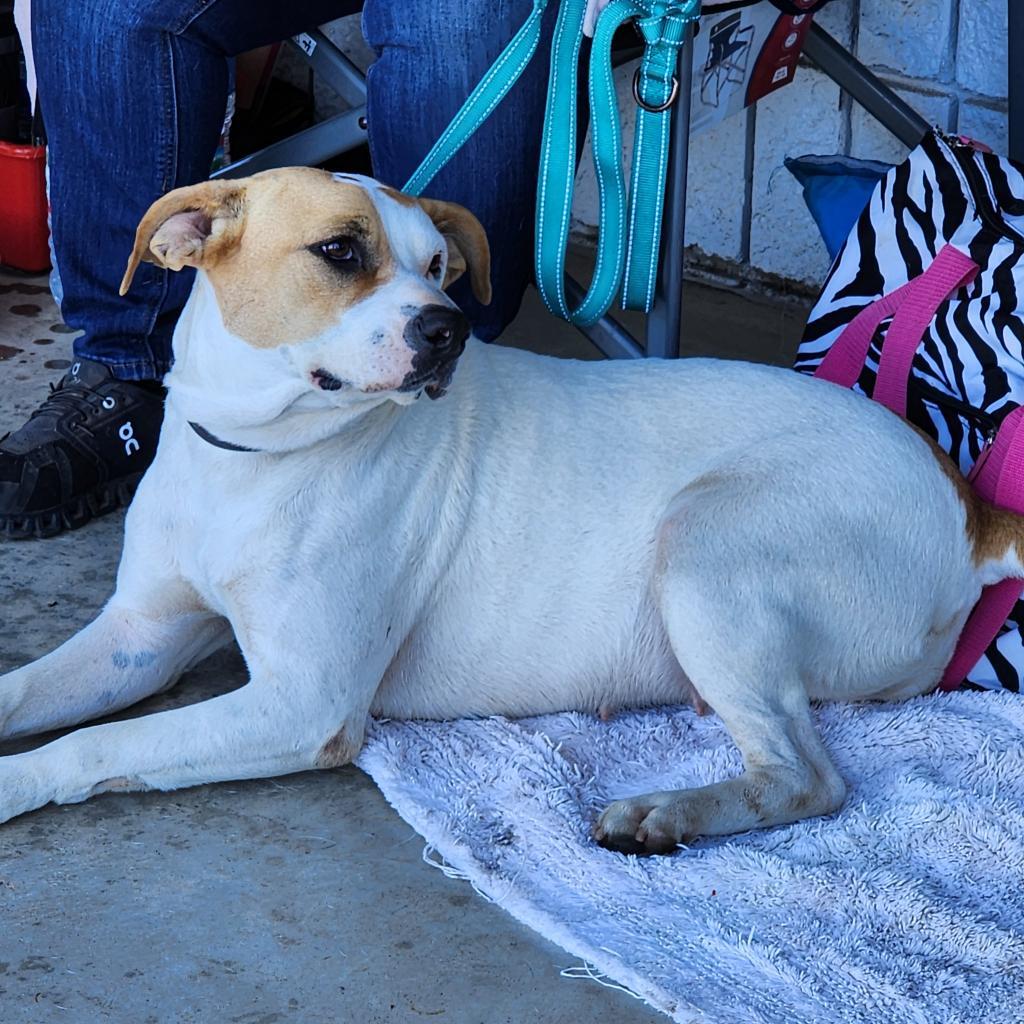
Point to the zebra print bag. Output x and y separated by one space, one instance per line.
968 371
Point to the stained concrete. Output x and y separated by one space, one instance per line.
302 899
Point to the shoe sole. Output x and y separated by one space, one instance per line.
100 501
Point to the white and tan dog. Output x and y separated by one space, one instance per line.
551 535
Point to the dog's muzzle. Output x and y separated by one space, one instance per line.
437 335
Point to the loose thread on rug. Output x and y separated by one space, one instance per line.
591 973
435 860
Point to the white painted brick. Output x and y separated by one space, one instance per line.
836 19
802 118
981 47
985 125
870 141
714 209
911 37
716 187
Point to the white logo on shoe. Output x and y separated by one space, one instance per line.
127 434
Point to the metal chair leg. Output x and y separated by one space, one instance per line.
328 138
332 66
1015 74
664 322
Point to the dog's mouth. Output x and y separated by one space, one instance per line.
434 383
327 381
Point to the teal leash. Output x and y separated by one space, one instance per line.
629 232
490 91
655 88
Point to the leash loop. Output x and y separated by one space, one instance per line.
656 86
629 228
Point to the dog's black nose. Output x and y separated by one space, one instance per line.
440 328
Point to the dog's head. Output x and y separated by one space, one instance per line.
346 272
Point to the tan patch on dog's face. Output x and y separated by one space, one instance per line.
334 268
261 242
279 287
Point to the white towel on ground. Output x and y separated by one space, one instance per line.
906 906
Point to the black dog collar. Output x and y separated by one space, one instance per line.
217 442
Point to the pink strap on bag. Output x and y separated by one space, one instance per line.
912 307
950 270
997 476
999 479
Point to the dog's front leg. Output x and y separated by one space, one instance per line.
268 727
139 644
306 706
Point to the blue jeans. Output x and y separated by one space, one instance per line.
133 95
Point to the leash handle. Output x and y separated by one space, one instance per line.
655 88
489 92
628 243
557 171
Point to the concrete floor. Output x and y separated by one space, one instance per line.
302 899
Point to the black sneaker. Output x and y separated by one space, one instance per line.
81 453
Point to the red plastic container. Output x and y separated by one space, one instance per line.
23 231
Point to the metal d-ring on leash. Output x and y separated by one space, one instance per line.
629 231
639 101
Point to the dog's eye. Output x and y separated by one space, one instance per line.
434 270
339 251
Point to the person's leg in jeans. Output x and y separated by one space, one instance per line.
430 56
133 97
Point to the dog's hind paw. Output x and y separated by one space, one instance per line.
642 825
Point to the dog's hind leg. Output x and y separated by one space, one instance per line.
138 645
787 775
738 637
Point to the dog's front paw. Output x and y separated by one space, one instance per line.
644 825
20 788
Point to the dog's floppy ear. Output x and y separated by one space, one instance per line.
467 245
189 227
